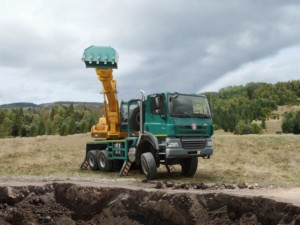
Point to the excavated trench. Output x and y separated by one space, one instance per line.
68 203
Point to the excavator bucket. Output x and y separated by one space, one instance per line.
100 57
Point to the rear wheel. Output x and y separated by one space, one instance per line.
92 159
189 166
104 164
149 165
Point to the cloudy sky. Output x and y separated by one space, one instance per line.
172 45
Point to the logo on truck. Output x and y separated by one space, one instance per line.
194 126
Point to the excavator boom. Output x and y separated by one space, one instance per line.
104 60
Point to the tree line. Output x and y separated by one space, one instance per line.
235 107
59 119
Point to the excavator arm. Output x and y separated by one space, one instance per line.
104 60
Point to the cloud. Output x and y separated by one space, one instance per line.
282 66
163 46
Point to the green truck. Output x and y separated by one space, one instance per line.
158 129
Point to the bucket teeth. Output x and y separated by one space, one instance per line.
100 57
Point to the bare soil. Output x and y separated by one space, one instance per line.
130 201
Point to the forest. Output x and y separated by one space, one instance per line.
49 119
234 109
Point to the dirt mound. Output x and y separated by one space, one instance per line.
67 203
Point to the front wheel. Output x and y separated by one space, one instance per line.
189 166
149 165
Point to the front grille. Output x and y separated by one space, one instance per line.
193 143
187 130
189 127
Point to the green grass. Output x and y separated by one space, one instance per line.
262 159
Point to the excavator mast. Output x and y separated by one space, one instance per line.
104 60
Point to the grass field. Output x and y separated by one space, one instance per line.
268 159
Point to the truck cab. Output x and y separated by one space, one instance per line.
182 124
162 129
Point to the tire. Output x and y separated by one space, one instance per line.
92 159
134 119
103 162
148 165
189 166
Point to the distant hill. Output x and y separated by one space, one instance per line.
18 105
44 105
49 105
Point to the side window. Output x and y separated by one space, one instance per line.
124 112
157 105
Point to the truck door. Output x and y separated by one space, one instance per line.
156 115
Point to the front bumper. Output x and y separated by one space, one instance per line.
180 152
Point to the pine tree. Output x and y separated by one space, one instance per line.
41 128
2 116
62 130
7 127
263 123
17 121
24 132
52 113
288 123
297 123
70 110
49 127
33 131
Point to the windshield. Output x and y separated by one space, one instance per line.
188 106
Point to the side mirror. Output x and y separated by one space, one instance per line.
157 105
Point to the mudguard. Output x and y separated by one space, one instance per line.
149 137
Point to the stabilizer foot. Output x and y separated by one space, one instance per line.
125 168
84 165
170 168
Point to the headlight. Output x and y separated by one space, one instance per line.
173 144
209 143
